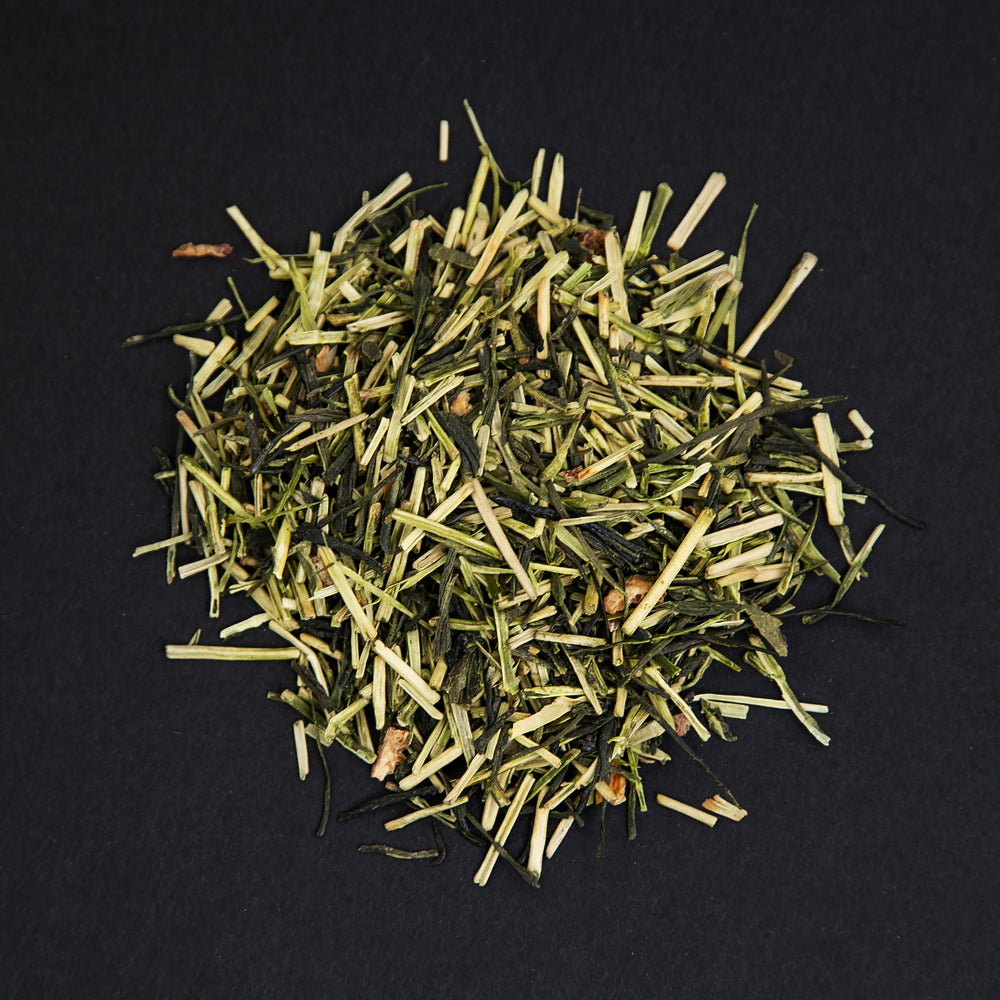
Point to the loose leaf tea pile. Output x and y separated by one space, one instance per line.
510 491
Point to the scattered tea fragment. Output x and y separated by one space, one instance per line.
203 250
505 490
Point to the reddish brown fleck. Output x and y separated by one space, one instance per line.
614 602
593 241
324 359
462 403
391 752
617 785
323 575
636 588
203 250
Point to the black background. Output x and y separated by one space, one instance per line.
155 838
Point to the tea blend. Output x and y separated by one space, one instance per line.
509 494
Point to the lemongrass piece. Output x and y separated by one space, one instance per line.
443 141
861 424
370 208
740 531
415 681
721 807
556 175
558 835
346 714
270 256
432 766
184 652
549 713
420 698
682 807
658 679
852 573
832 488
616 269
783 477
301 749
799 274
746 699
635 231
539 830
757 554
759 574
254 621
166 543
669 572
196 345
496 531
413 817
729 710
470 772
770 667
712 189
510 818
499 234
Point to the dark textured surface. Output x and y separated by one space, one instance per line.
155 838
